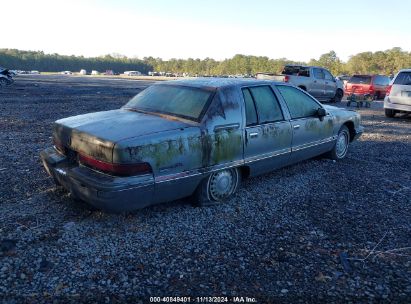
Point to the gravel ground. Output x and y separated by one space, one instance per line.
316 231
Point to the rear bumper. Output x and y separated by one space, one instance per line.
396 106
114 194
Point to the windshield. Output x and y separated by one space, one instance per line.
358 79
186 102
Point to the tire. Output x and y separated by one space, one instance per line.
340 148
217 187
3 82
389 113
339 94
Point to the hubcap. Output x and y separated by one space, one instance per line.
342 144
222 184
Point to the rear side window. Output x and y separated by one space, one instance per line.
360 79
318 73
299 103
403 78
250 111
261 100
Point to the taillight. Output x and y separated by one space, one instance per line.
388 90
286 78
371 89
115 169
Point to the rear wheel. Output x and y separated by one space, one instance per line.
341 145
389 113
338 96
217 187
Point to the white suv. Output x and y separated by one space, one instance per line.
398 97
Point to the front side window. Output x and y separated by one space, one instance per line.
174 100
328 75
299 104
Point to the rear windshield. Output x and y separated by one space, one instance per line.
296 70
359 79
403 78
186 102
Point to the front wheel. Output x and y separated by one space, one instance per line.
217 187
341 145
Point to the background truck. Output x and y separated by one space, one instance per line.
317 81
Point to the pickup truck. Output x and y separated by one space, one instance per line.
317 81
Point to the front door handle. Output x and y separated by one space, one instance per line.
253 135
296 126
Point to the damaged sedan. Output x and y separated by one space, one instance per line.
195 138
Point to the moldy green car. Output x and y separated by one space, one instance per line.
192 137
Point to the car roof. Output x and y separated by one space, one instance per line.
214 83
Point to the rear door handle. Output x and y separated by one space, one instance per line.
253 135
296 127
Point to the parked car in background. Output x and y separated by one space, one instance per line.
83 72
6 77
132 73
34 72
317 81
374 85
66 73
343 78
398 96
94 72
193 137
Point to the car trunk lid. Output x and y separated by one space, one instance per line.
95 134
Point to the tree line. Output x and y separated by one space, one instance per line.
380 62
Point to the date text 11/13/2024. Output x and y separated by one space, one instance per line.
237 299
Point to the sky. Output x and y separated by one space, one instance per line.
295 29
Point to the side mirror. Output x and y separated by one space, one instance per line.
321 113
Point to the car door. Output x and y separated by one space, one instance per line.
268 134
312 135
330 85
318 84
